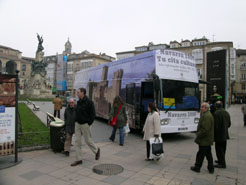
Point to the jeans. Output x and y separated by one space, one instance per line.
112 137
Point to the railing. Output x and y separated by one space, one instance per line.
34 139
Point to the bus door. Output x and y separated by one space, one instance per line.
132 106
147 96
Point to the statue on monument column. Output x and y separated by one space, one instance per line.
40 42
38 66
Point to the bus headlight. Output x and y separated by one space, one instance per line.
196 120
164 122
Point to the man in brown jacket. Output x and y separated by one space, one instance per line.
57 106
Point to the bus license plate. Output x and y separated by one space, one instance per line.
183 128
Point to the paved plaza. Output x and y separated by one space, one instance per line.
48 168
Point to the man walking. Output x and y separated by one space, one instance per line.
204 138
69 118
85 115
222 122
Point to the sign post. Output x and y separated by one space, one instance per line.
9 120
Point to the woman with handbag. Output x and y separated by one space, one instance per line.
118 118
152 127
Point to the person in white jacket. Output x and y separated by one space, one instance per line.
152 127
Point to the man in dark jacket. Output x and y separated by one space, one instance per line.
222 122
69 118
204 138
85 115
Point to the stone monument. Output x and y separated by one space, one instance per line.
38 86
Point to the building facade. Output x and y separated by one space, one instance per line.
140 49
83 60
12 60
239 85
74 62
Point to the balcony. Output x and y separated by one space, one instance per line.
243 68
243 80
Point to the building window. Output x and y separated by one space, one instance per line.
243 86
243 76
23 67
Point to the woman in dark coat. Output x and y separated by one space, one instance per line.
69 117
121 119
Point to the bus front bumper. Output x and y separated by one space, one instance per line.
178 129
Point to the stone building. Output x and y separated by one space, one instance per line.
12 60
75 62
239 86
51 68
83 60
140 49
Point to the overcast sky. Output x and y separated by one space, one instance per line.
110 26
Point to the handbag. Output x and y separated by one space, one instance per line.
113 121
157 147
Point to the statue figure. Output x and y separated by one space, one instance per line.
40 42
38 68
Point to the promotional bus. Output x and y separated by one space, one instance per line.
167 77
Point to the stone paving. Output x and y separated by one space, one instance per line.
44 167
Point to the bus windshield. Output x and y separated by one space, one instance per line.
179 95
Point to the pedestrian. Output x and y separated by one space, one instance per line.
152 127
243 108
57 106
204 139
118 110
85 115
69 118
222 122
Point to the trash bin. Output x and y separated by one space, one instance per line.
57 133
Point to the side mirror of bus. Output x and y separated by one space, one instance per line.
156 84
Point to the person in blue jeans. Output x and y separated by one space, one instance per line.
118 109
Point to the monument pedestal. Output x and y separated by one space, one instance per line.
38 87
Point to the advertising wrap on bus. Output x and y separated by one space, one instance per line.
175 65
167 77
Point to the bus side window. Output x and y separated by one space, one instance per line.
147 95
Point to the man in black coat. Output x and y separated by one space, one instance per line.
222 122
85 115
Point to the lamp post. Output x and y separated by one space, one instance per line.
16 115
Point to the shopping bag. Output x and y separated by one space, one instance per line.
126 129
156 148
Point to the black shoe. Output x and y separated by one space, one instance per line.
67 153
211 171
111 139
97 154
121 144
216 161
219 166
195 169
